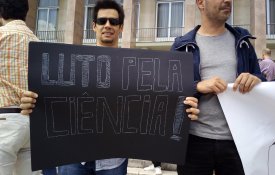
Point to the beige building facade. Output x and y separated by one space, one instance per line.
149 24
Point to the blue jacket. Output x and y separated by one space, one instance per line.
247 58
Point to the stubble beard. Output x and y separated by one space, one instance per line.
107 41
220 18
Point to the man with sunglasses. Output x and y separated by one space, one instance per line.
108 20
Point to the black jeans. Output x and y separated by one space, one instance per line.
207 155
156 164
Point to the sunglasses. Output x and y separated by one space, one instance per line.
112 21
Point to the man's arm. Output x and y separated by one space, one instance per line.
213 85
254 67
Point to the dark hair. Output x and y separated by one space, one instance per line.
14 9
109 4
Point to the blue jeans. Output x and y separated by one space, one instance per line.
121 170
205 155
77 169
49 171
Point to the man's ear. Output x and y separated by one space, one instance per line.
200 4
121 28
94 26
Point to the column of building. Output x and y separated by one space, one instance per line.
74 22
147 18
258 24
31 17
129 30
190 15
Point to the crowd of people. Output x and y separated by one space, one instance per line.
220 56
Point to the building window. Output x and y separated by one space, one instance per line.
270 17
89 9
47 19
170 18
47 15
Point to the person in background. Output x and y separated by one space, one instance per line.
221 55
14 127
267 66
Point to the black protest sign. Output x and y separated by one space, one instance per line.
98 102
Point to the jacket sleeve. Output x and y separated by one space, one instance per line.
250 60
196 93
173 48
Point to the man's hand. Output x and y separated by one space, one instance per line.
213 85
245 82
28 101
193 111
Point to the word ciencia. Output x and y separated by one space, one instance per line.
131 114
142 74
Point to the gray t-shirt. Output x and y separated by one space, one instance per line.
218 58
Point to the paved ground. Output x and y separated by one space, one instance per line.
135 167
140 171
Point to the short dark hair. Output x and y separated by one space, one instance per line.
109 4
14 9
266 51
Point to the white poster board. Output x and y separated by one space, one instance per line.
251 119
